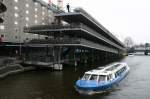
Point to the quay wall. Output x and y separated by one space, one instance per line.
9 66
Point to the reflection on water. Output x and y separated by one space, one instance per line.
46 84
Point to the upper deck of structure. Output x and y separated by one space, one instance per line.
80 15
83 27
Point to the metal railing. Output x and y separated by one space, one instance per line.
55 41
98 24
81 41
97 46
50 27
100 36
72 26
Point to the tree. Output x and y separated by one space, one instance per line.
128 42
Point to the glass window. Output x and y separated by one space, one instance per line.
15 22
27 18
16 37
36 21
35 9
101 78
16 8
16 15
27 25
43 13
43 8
35 16
16 0
86 77
27 5
27 12
108 77
93 77
27 38
36 3
42 18
2 35
2 27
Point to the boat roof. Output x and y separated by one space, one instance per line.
97 72
106 70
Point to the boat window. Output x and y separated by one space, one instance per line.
93 77
101 78
108 77
86 77
119 72
113 67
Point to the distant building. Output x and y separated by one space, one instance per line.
22 13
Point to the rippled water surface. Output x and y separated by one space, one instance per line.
46 84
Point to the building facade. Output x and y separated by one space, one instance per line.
22 13
82 39
2 9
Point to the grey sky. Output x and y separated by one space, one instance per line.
121 17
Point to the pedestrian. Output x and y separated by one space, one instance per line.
68 7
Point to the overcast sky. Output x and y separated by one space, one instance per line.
121 17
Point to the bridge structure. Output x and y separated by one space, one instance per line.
2 9
142 50
76 36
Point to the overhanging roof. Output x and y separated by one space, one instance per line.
83 17
103 48
81 32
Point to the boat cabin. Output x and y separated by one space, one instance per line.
105 73
99 77
102 78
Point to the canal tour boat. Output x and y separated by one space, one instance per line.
102 78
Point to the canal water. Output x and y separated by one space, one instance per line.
46 84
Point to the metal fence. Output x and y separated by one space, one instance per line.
55 41
99 25
97 46
50 27
72 26
101 36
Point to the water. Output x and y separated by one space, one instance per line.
60 85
